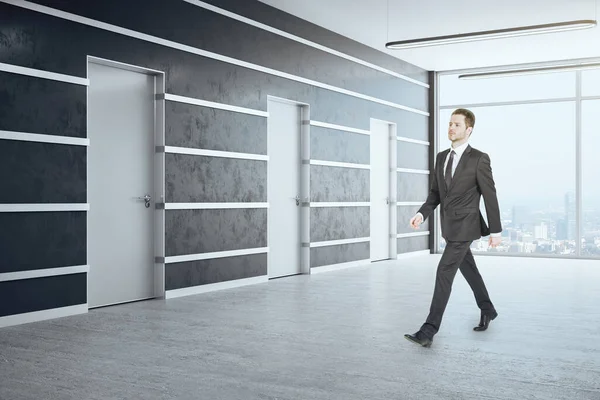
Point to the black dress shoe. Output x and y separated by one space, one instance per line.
419 339
484 322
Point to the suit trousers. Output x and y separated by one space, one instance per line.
457 255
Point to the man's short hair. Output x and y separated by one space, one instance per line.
468 114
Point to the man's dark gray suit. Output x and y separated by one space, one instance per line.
461 223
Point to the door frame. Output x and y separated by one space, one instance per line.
158 137
392 186
304 157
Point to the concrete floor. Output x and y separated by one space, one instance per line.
334 335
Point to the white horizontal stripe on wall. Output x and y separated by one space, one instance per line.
35 316
38 73
413 171
317 204
192 50
411 254
410 203
338 164
339 127
412 234
213 153
409 140
211 104
171 294
36 137
217 254
326 243
39 273
303 41
44 207
340 266
213 206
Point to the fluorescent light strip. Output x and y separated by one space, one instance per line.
338 164
213 206
302 40
38 73
211 104
410 203
43 138
192 50
322 204
40 273
409 140
216 254
19 319
213 153
339 127
413 171
336 242
44 207
491 34
529 71
211 287
412 234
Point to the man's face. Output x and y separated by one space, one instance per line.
457 129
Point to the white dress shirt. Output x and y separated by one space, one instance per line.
459 151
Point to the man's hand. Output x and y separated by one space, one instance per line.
416 221
494 241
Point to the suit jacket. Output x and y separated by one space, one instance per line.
461 219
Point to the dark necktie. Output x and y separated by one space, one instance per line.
448 174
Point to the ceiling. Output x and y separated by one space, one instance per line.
366 21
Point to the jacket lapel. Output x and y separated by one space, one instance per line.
440 173
461 165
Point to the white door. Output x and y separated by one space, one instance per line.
284 128
380 193
120 174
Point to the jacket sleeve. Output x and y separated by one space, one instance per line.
433 199
485 182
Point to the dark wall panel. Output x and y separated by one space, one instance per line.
405 213
413 126
334 223
187 74
36 105
205 231
412 187
320 256
222 35
410 244
214 179
412 155
39 240
271 16
339 184
334 145
33 172
210 128
30 295
204 272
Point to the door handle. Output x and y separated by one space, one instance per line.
297 198
146 199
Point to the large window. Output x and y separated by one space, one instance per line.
590 161
528 125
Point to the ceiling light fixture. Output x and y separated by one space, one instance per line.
530 71
492 34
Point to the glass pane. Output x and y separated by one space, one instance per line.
590 82
532 149
590 170
513 88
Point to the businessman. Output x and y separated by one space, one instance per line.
462 175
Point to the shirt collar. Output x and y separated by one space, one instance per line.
460 149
